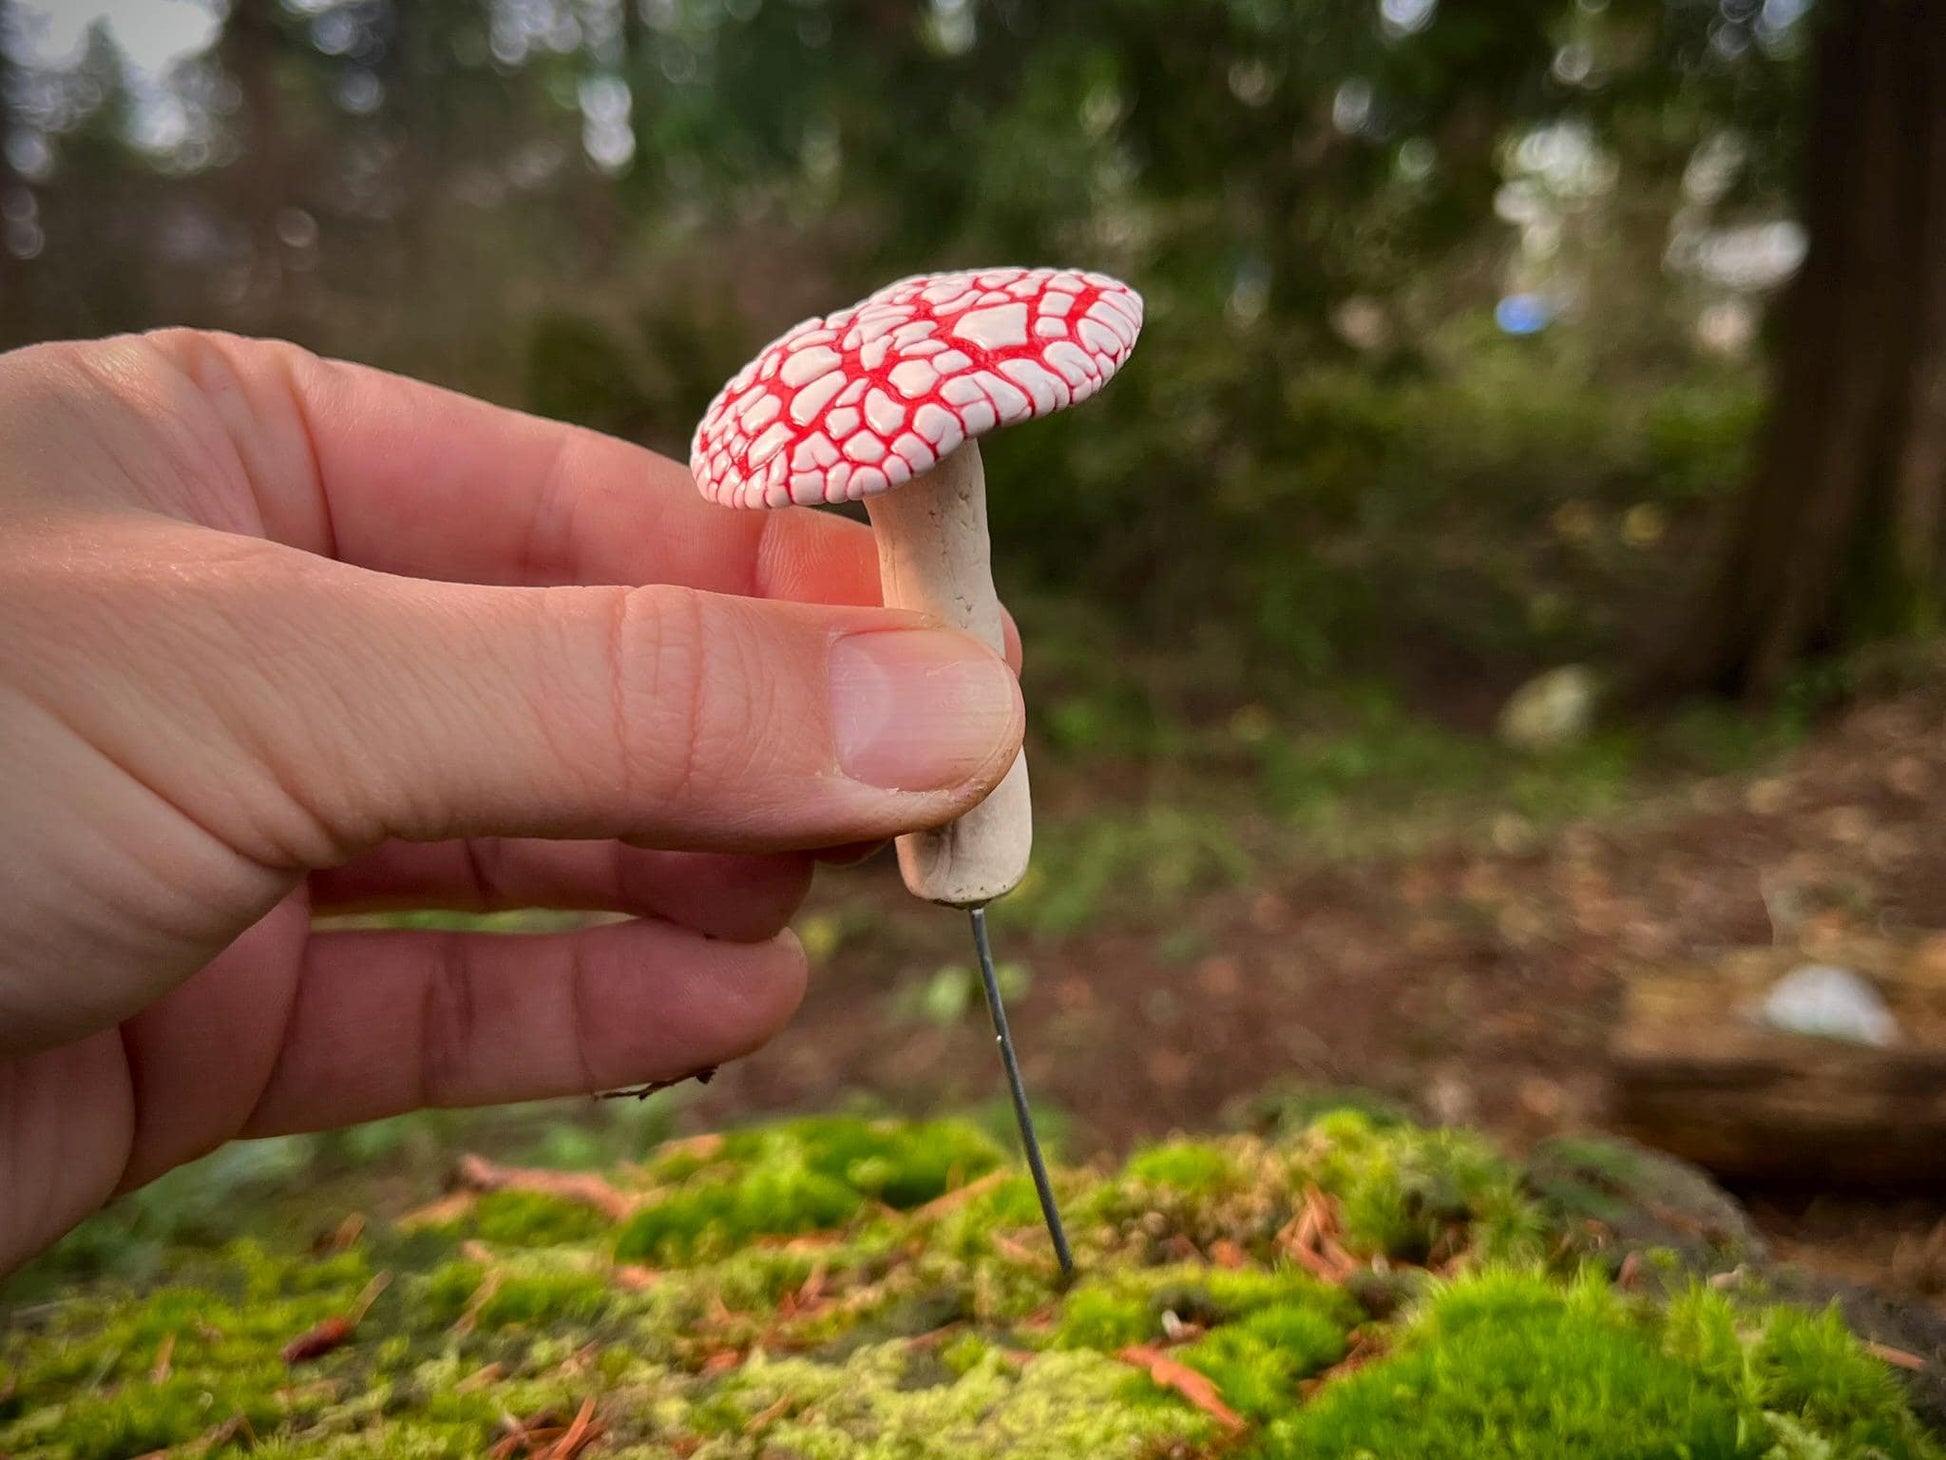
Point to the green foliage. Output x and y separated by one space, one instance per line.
1135 865
1267 482
1698 438
943 1336
954 993
576 372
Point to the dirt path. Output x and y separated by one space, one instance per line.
1472 984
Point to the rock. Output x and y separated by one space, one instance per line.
1829 1002
1646 1200
1552 711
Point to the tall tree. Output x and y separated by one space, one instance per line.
250 50
1837 536
16 321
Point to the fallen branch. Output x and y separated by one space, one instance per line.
1225 1253
701 1148
334 1332
1897 1357
480 1174
343 1237
584 1429
1310 1239
959 1196
480 1378
1018 1251
767 1416
544 1437
469 1317
441 1213
1199 1389
317 1341
643 1092
1365 1349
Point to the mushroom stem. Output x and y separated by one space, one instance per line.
933 558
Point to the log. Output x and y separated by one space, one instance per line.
1697 1074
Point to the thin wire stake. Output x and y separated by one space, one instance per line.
1022 1114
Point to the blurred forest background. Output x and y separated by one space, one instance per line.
1540 425
1457 308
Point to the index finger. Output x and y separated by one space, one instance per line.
403 477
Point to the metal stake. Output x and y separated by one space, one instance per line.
1022 1114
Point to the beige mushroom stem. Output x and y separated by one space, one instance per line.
933 558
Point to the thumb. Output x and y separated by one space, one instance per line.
674 717
303 710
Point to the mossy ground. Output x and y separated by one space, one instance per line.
844 1288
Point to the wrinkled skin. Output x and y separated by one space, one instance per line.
285 636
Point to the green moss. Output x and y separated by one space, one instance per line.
545 1297
1097 1317
529 1219
795 1311
712 1218
903 1165
808 1176
877 1406
136 1418
1258 1362
1411 1195
1187 1166
511 1292
966 1230
1810 1367
1109 1312
1509 1365
268 1276
1199 1191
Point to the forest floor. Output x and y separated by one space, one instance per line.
1474 980
1460 959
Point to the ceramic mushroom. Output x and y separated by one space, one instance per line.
883 402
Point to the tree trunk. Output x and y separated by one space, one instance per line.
17 324
263 175
1836 539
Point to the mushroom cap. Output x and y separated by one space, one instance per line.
860 401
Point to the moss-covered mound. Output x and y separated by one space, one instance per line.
1351 1290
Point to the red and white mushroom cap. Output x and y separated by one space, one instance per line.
862 400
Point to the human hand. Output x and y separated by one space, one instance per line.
284 636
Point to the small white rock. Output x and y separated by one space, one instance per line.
1829 1002
1551 711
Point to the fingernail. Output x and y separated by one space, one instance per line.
918 709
